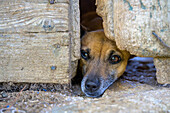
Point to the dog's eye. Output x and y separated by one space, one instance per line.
85 54
114 59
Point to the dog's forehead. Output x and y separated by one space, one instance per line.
97 41
97 36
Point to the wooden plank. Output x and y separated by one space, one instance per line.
25 16
39 41
35 1
75 28
34 57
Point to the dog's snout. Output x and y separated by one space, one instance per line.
92 84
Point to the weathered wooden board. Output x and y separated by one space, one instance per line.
33 17
39 41
25 56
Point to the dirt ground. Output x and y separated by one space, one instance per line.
136 91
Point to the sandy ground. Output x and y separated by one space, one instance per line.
136 91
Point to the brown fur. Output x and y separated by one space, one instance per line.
98 65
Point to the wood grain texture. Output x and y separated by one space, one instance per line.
31 57
24 16
75 28
39 41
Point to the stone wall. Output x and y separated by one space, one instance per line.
140 27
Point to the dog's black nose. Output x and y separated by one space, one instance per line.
92 84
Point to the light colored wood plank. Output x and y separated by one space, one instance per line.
39 41
23 16
34 57
34 1
75 28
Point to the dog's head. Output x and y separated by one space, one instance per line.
101 63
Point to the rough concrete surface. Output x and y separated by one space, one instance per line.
137 91
141 27
163 70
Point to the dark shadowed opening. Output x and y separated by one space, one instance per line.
86 6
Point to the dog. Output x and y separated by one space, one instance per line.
101 63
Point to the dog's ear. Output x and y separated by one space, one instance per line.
91 22
84 30
84 27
